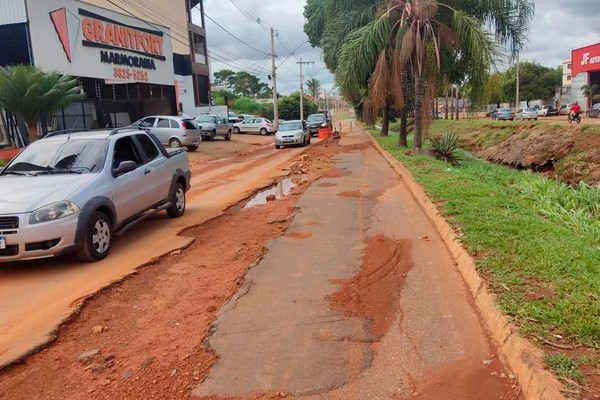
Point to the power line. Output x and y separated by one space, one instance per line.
248 14
235 37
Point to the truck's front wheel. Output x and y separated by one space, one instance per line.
177 207
97 239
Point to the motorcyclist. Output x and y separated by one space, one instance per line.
575 110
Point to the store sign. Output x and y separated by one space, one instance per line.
586 59
99 43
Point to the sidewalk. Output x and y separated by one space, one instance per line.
295 327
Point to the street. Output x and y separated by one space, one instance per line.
342 289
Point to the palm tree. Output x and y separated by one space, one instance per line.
591 92
314 87
32 94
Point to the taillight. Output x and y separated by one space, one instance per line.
182 125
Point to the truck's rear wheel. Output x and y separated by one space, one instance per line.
177 207
97 239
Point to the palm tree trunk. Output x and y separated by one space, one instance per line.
457 104
446 111
402 138
32 131
385 119
419 96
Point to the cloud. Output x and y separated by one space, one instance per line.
558 27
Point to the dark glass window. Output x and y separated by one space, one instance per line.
148 146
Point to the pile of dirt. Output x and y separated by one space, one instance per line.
568 153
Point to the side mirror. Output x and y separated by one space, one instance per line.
124 167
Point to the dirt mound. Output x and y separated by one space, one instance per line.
570 154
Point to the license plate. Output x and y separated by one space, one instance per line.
2 243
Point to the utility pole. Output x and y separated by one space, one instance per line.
302 88
274 76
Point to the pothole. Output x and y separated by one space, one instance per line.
281 189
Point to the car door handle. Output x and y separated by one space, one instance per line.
147 171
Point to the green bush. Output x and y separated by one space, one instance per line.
289 107
446 147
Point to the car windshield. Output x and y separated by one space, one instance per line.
290 126
530 109
189 124
504 110
206 118
316 118
59 157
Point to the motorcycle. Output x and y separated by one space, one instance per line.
574 117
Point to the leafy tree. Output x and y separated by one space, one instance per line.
225 78
289 107
32 94
314 87
222 97
591 92
535 81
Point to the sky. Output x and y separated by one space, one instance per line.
558 27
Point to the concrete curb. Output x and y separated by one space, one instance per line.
526 360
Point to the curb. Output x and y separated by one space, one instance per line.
526 360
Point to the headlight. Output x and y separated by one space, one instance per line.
324 125
53 212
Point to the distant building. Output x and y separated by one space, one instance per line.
567 81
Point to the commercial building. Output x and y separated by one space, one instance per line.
131 58
585 70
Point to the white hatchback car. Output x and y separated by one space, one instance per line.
254 125
292 133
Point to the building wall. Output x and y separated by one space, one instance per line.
567 78
576 94
12 12
169 13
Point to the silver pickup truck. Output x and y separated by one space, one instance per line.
214 125
73 191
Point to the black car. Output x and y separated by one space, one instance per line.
316 121
594 112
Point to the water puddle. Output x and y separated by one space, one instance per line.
281 189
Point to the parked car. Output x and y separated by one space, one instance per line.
594 112
73 191
293 132
234 117
214 125
565 108
172 131
502 114
318 120
527 113
254 125
547 111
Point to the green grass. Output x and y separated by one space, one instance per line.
567 370
543 263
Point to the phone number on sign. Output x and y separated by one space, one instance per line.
129 74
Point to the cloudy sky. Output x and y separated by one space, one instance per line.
558 27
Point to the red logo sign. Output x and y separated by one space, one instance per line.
586 59
66 25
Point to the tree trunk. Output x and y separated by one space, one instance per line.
402 139
457 104
447 105
452 103
385 120
419 96
32 131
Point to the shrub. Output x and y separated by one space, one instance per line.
446 148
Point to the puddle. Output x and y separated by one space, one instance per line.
281 189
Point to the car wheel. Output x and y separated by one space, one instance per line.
277 146
236 130
308 140
174 143
212 135
192 148
535 119
228 136
177 207
97 239
263 131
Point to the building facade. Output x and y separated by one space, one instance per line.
585 63
131 58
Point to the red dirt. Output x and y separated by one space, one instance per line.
355 194
374 293
299 235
